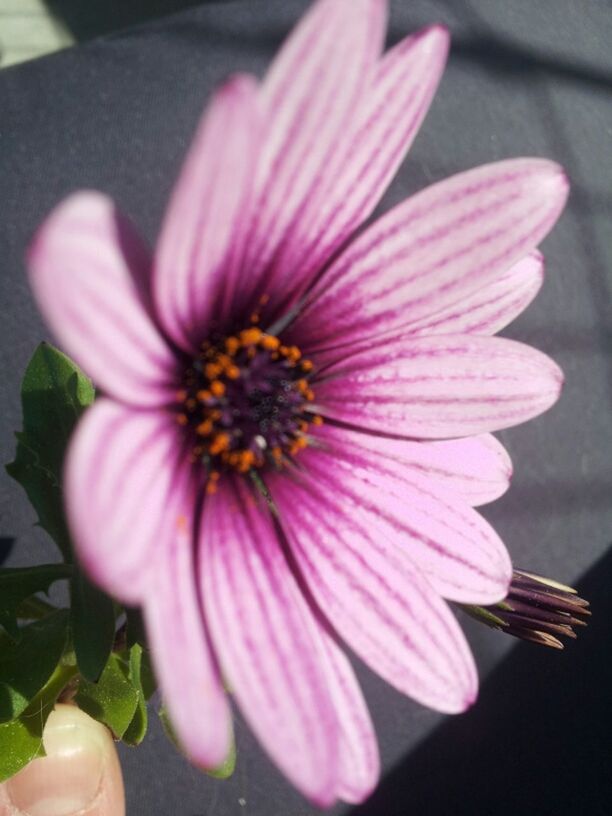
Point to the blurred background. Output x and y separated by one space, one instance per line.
31 28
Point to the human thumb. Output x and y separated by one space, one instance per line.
80 773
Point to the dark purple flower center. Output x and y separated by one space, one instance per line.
246 402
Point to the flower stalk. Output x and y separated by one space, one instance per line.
537 609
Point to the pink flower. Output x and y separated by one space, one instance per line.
295 421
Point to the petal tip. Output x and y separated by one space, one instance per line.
238 85
436 36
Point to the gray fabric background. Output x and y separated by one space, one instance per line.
524 78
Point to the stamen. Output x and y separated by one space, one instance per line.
246 400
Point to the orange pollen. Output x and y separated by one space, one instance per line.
294 354
245 416
232 344
221 442
217 388
270 342
249 337
212 370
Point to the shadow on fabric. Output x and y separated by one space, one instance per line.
86 19
6 545
537 742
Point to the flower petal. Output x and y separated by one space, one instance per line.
308 96
358 757
437 247
200 241
477 468
120 471
263 640
184 665
436 387
370 592
88 271
492 307
131 509
458 551
368 155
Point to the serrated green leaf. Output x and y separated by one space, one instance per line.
21 739
19 583
113 699
224 771
26 666
54 393
92 617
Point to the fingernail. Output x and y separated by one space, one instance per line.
68 779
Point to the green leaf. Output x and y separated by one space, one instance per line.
26 666
21 739
54 393
224 771
19 583
137 729
92 617
20 743
113 699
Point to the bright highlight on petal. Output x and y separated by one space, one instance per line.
294 425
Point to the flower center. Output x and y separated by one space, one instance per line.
247 402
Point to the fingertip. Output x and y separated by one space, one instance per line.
80 773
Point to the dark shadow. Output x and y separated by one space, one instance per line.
537 742
6 546
86 19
